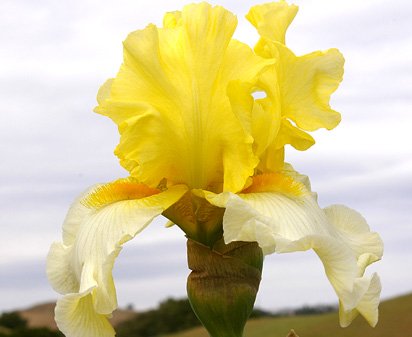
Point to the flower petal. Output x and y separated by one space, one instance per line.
368 248
75 316
305 83
272 19
354 229
289 134
283 217
263 124
170 101
96 226
367 305
260 117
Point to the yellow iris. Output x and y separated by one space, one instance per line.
201 150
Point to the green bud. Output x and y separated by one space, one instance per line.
223 284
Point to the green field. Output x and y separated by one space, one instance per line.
395 321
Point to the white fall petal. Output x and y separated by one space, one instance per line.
95 228
284 223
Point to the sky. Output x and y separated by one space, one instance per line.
54 55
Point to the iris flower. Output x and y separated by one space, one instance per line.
203 149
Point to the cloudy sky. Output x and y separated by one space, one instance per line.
54 55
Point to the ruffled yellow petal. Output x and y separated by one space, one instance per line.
290 134
260 117
305 83
172 19
96 226
282 215
170 101
272 19
272 160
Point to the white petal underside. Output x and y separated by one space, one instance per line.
339 236
81 266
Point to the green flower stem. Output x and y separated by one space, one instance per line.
223 284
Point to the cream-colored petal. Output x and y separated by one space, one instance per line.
97 225
367 306
286 218
368 247
353 228
171 104
76 317
60 271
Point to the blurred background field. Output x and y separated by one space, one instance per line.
174 318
